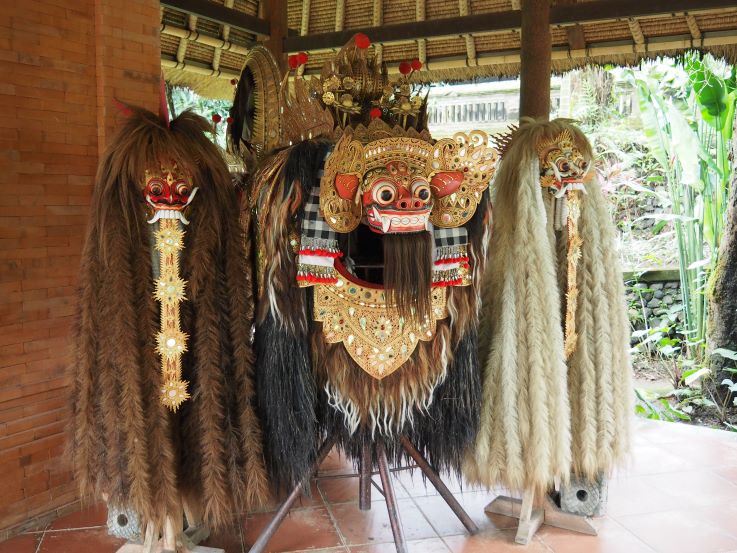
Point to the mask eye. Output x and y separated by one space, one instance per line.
384 193
155 188
183 189
421 190
564 166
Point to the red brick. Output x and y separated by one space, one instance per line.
62 63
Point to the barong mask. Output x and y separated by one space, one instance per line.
168 191
562 165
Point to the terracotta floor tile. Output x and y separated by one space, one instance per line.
636 495
694 489
724 516
25 543
304 501
493 541
446 523
434 545
341 549
679 531
343 490
80 541
612 538
302 529
94 515
228 539
728 473
699 452
369 527
654 459
336 461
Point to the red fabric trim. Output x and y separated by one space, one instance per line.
321 253
444 283
316 280
447 260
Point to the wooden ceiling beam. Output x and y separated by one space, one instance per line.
584 12
220 14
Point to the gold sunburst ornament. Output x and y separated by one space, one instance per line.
171 342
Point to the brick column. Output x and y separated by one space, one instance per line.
61 64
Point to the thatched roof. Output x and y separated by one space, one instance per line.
208 58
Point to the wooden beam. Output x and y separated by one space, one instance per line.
536 53
582 12
276 13
576 37
220 14
194 36
693 26
637 34
225 34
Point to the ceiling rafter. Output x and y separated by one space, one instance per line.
219 13
584 12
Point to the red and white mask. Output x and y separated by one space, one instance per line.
395 201
168 191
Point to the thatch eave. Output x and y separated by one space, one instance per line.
199 53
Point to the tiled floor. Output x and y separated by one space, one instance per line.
678 496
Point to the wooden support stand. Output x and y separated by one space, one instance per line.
365 482
175 538
530 519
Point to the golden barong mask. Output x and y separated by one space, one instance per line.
400 185
562 165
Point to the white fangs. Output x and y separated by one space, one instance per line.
385 224
170 213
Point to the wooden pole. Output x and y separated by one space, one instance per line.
536 54
276 13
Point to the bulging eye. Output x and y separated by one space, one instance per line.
183 189
156 188
564 166
384 193
421 190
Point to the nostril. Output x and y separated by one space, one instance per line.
418 203
403 204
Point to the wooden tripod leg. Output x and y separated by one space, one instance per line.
364 478
391 500
267 533
440 486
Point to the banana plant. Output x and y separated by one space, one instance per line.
687 109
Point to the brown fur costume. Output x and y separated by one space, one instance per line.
124 443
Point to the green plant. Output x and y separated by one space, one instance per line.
687 118
181 98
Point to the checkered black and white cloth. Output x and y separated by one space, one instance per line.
314 227
449 236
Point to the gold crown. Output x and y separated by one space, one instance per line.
562 141
355 86
303 117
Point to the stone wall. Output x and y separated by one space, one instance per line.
653 298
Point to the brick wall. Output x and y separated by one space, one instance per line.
61 64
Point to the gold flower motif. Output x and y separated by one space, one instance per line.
348 83
171 343
170 288
174 393
169 240
328 98
333 83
